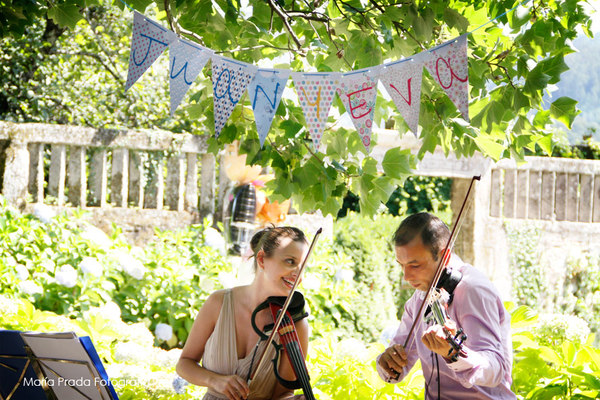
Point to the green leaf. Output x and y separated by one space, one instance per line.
545 142
397 163
564 109
489 147
66 15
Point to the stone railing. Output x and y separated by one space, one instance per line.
113 173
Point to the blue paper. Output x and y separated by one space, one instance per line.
11 344
265 94
87 344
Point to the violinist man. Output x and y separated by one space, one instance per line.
482 367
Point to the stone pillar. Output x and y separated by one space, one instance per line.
119 181
76 176
175 182
191 183
207 185
58 173
98 178
16 174
136 178
36 171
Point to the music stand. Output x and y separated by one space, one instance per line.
64 367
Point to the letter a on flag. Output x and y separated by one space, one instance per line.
148 41
402 80
448 65
265 94
315 93
187 60
230 80
358 91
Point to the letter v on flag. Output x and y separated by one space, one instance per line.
448 65
265 94
402 81
186 61
148 41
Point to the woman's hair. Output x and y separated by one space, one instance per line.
433 232
269 239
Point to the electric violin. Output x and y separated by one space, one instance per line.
284 326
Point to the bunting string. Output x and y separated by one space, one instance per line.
447 63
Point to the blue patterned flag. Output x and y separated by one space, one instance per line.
187 60
148 41
265 94
230 80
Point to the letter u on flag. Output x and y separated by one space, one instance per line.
402 80
230 80
358 91
186 60
148 41
315 93
448 65
265 94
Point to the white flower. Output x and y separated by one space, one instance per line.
131 352
90 265
66 276
351 347
388 333
96 236
126 262
311 282
29 287
163 332
22 272
213 239
179 384
227 279
43 212
344 275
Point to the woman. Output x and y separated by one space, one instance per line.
222 334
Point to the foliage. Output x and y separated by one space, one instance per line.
511 63
528 276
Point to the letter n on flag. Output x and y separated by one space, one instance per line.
148 41
230 80
316 92
402 80
265 94
358 91
448 65
186 60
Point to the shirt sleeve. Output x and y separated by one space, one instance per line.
480 313
400 338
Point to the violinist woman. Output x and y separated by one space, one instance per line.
222 335
481 368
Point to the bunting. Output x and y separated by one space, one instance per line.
148 41
230 80
315 93
358 91
265 94
186 60
448 65
402 81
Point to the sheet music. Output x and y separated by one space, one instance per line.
71 368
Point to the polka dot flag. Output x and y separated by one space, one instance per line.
148 41
448 65
315 93
358 91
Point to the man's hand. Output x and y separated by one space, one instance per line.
435 336
393 359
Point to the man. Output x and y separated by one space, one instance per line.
482 370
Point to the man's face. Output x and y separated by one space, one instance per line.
417 263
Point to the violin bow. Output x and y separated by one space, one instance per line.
284 308
443 261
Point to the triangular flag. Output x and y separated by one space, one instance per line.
148 41
230 80
315 93
402 80
448 65
186 60
358 91
265 94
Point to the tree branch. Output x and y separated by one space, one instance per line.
286 23
97 58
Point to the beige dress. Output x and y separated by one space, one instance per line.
220 356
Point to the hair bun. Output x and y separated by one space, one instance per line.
256 240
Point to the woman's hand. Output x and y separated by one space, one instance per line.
232 386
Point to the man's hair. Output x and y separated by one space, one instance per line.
433 232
